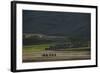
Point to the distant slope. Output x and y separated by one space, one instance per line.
56 23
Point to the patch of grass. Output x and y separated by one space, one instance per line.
79 49
40 47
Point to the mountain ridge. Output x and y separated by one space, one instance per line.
56 23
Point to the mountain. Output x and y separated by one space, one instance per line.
57 23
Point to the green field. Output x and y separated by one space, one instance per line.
31 48
42 47
32 53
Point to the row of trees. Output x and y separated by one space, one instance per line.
37 40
